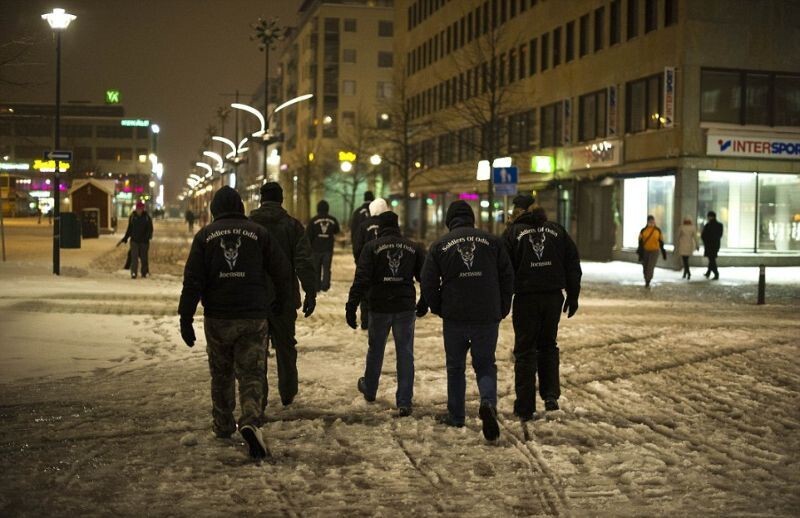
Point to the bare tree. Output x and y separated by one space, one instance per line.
14 57
308 177
362 139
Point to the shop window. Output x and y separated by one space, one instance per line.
652 195
733 197
644 104
778 203
592 116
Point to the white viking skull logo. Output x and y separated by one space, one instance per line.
323 225
537 244
230 250
467 252
394 261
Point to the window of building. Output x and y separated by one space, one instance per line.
81 130
650 15
522 61
599 27
503 11
744 97
383 121
569 51
521 131
348 87
614 23
385 28
445 148
633 19
532 56
332 25
385 89
512 9
384 59
114 131
114 153
583 47
556 47
350 24
485 17
652 195
545 51
592 116
757 105
494 14
34 129
721 96
551 132
348 55
512 65
644 104
786 104
670 12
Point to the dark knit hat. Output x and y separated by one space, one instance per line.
272 191
323 207
369 196
388 219
226 201
461 211
523 201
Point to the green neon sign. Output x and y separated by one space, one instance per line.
112 96
543 164
142 123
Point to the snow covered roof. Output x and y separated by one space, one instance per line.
104 185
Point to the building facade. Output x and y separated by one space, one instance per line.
105 146
612 110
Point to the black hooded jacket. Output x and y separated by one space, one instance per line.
290 235
467 275
140 227
321 231
544 256
366 233
386 271
358 217
231 265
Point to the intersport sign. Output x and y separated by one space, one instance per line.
720 144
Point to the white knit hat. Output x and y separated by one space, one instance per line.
377 207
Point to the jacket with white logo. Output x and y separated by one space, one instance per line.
367 231
544 256
320 231
385 273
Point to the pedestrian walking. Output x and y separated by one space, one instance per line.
189 217
140 232
321 231
358 217
521 203
468 281
546 263
290 236
712 240
367 231
687 244
385 275
238 271
651 243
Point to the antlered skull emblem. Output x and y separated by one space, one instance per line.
230 250
537 244
323 226
394 261
467 252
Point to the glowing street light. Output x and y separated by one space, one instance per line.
346 166
217 158
375 160
205 166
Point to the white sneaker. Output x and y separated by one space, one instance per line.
254 439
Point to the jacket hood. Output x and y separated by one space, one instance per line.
388 220
459 214
270 211
378 207
535 216
323 208
226 201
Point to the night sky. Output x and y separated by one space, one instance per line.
169 58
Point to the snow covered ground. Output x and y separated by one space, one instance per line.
684 399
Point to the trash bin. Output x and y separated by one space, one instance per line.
90 223
70 230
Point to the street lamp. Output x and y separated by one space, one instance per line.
58 20
268 33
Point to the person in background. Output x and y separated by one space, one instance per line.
290 235
385 274
367 231
651 243
190 219
321 231
230 267
358 217
140 232
521 203
687 244
712 240
468 281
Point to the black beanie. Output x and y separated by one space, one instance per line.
272 191
226 201
388 219
460 210
323 207
369 196
523 201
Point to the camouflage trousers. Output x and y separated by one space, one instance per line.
236 352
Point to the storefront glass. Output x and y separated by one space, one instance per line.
760 211
643 196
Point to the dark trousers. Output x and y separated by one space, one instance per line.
686 272
322 267
402 327
481 341
235 352
712 266
281 334
139 252
364 314
535 318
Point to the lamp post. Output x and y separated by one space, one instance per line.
268 33
58 20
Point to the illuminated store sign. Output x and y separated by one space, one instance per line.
49 166
13 166
598 154
543 164
112 97
752 146
135 122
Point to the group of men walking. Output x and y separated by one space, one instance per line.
247 273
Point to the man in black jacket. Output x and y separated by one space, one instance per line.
358 217
712 240
230 266
385 274
468 280
367 231
321 230
545 262
140 232
290 235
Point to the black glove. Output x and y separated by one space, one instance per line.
664 254
350 316
571 306
309 303
277 306
187 331
422 308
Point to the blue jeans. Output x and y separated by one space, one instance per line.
402 327
481 339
